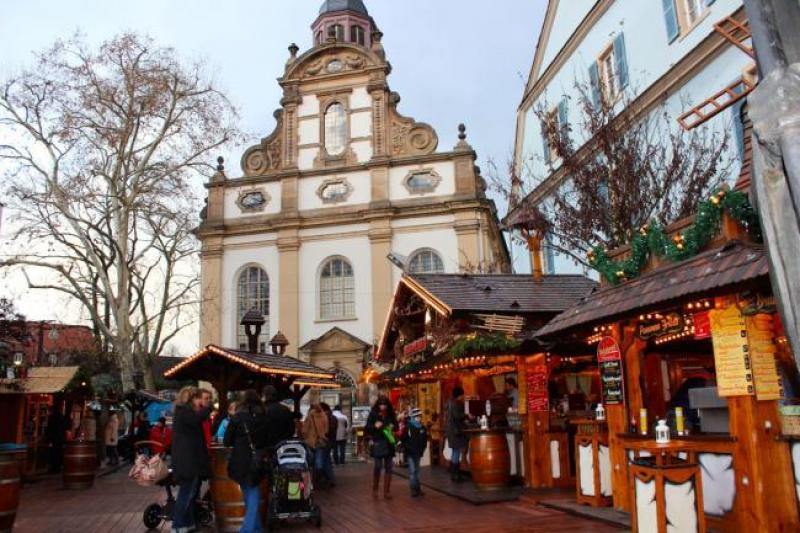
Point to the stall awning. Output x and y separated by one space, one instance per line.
735 263
40 380
195 367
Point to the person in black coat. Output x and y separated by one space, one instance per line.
381 427
280 420
247 433
414 437
190 461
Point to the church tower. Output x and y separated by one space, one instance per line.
344 180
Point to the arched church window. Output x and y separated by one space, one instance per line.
252 292
425 261
318 38
336 290
357 35
335 129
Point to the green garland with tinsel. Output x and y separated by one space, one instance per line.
491 343
652 239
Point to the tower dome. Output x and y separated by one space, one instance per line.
346 21
329 6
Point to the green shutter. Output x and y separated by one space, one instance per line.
621 60
671 17
594 78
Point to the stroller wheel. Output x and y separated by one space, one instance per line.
203 516
152 516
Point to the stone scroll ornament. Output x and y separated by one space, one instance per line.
409 137
266 156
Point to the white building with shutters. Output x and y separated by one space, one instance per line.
666 54
302 230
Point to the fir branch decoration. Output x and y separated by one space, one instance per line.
652 239
491 343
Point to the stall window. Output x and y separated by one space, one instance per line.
336 290
253 292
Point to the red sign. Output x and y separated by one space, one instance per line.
608 350
702 325
537 388
415 347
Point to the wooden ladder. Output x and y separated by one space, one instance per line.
716 104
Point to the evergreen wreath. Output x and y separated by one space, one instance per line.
652 239
491 343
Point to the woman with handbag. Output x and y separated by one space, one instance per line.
382 427
247 434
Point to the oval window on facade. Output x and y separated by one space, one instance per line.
422 182
335 129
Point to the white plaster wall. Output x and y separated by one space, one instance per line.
443 240
360 98
305 158
309 106
232 210
312 254
361 124
565 23
308 131
445 169
233 261
307 193
363 150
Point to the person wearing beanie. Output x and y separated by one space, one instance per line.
415 440
454 431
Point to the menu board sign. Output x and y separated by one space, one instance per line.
609 358
536 381
731 353
760 338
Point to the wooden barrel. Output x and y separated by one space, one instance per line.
18 452
9 491
226 494
489 460
80 462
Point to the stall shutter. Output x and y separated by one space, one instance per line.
621 60
594 78
671 17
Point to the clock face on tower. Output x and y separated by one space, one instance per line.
335 66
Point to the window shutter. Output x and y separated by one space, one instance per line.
594 78
621 60
562 118
545 144
709 2
738 123
671 17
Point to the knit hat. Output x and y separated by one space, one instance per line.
415 412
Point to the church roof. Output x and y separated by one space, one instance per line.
329 6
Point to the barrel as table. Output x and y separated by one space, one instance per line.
9 491
226 494
489 459
18 451
80 462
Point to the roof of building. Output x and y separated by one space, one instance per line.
329 6
511 293
707 272
40 380
260 363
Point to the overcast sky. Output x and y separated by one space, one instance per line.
453 60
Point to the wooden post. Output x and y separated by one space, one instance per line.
537 446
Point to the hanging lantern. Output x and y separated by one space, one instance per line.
662 432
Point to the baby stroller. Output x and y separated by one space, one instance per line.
156 513
291 489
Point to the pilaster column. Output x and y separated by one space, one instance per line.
211 304
380 241
470 249
289 287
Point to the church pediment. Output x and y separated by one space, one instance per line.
332 59
335 340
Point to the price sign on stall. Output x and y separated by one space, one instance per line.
536 381
609 358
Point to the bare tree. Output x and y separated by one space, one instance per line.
630 171
102 146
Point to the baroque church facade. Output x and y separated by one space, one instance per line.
343 182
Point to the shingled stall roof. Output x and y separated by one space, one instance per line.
710 272
210 362
503 293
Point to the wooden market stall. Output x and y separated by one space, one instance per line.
695 342
445 330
